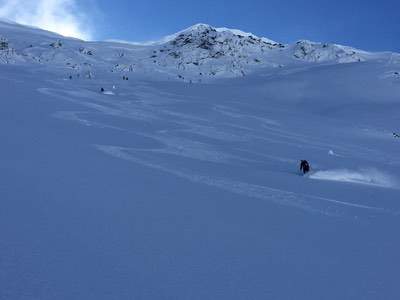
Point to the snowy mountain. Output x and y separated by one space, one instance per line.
197 54
121 180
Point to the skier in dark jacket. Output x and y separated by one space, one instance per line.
304 166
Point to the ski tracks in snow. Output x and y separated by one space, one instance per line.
229 130
309 203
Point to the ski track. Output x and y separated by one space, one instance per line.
308 203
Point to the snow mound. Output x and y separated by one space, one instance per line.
367 177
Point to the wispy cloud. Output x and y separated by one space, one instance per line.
61 16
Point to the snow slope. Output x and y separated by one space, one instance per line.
162 189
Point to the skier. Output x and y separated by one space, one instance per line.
102 90
304 166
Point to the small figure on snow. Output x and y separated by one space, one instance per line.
3 44
305 166
102 90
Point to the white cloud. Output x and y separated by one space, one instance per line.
61 16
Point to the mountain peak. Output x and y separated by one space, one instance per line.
206 29
199 27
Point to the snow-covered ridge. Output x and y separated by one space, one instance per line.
316 52
196 54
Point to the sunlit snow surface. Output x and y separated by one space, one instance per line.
370 177
162 189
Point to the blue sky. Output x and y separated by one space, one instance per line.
369 25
